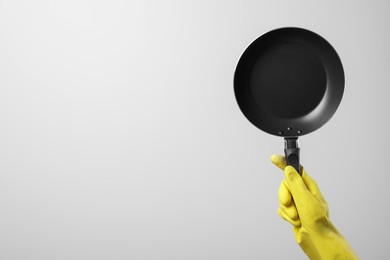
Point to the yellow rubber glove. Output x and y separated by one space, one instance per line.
302 204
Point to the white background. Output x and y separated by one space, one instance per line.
120 137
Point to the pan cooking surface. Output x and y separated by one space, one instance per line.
285 74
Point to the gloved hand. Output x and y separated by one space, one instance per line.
302 204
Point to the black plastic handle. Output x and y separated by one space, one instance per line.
291 151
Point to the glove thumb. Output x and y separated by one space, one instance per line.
279 161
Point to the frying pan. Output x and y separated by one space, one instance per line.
289 82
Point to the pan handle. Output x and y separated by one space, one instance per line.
291 151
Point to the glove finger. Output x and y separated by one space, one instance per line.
284 194
296 186
294 222
279 161
312 186
290 211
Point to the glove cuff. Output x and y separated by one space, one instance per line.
326 243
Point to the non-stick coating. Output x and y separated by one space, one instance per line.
289 82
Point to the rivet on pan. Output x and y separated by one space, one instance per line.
280 133
289 128
299 131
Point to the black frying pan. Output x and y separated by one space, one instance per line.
289 82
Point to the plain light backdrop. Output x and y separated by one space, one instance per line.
120 137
